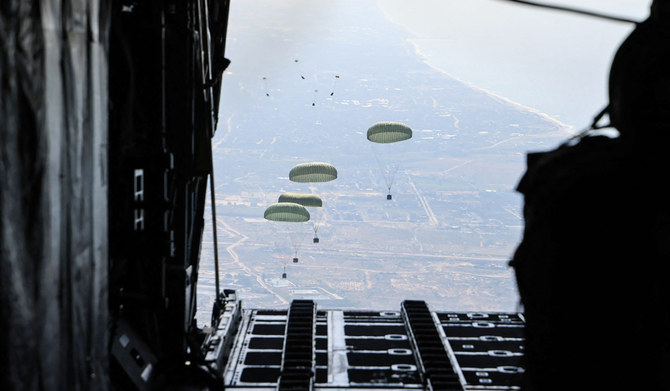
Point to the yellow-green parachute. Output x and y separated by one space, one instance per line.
389 132
309 200
287 211
313 172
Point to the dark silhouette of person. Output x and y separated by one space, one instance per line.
592 268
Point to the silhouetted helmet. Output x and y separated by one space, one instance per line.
639 82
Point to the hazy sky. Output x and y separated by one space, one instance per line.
553 61
550 61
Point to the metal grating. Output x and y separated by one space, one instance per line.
436 368
297 369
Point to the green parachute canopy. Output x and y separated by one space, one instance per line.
287 211
312 200
389 132
313 172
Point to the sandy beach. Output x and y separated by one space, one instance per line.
554 62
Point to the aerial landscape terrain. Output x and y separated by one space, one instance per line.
454 219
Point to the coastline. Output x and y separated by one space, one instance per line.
517 55
425 58
569 129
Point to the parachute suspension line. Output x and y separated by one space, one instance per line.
388 132
296 247
295 239
265 85
388 171
301 74
392 170
382 168
315 227
575 10
337 77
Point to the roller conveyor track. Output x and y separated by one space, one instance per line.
297 370
436 368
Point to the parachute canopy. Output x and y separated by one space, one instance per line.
286 211
312 200
313 172
389 132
